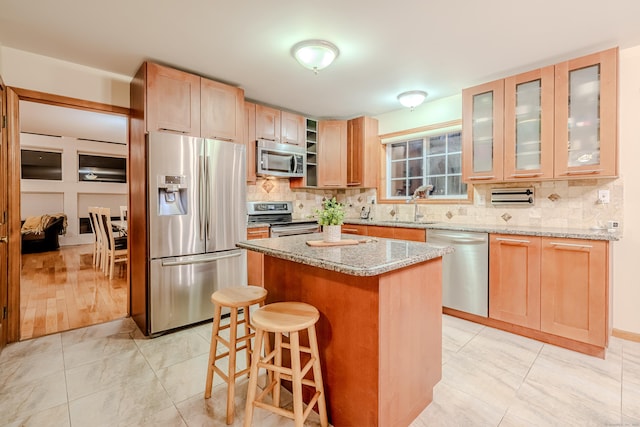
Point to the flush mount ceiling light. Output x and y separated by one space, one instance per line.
412 98
315 54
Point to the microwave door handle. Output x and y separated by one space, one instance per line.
264 160
295 163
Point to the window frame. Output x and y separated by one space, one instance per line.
422 133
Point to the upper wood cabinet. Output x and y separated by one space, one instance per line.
332 153
221 111
267 123
292 128
172 100
250 140
514 279
363 152
558 122
482 132
528 125
586 139
574 289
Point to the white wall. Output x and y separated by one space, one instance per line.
70 196
44 74
626 289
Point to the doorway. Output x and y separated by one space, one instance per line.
61 289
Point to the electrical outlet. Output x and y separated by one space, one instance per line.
603 196
481 200
371 200
613 225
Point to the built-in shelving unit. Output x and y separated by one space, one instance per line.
312 152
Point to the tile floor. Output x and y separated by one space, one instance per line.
111 375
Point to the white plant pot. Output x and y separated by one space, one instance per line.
331 233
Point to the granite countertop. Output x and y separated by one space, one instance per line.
570 233
375 256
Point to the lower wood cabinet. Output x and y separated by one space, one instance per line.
556 286
354 229
574 289
400 233
514 278
255 260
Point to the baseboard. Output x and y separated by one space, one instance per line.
631 336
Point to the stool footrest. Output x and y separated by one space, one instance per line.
302 348
275 409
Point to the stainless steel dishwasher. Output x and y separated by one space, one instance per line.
465 272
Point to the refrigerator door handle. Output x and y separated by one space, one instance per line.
201 194
199 260
207 174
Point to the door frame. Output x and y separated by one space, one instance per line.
4 227
14 96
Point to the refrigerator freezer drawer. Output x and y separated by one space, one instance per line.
181 287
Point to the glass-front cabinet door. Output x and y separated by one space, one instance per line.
586 141
528 125
482 132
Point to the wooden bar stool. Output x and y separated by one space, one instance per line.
232 298
291 318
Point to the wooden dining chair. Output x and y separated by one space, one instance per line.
116 248
97 236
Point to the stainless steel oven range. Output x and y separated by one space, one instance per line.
279 217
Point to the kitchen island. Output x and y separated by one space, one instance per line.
380 327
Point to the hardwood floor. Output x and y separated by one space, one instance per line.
61 290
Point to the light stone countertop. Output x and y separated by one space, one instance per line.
257 224
376 256
570 233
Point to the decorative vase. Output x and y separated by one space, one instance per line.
331 233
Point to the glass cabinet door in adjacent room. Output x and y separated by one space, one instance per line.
586 140
528 125
482 121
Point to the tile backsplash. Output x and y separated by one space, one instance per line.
571 204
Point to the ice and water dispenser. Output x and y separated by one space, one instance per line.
172 195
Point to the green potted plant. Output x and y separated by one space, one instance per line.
331 217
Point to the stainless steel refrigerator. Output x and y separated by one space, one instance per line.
197 214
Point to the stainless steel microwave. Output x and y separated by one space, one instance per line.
282 160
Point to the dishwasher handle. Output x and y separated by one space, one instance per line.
456 238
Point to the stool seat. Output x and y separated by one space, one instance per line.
289 318
239 296
285 317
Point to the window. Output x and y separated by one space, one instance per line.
41 165
434 159
102 168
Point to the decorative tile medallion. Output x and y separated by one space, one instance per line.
449 214
506 217
553 197
267 185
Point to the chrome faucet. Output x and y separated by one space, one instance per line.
420 193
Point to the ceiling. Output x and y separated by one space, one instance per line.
387 47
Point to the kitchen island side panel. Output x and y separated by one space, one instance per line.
347 334
379 337
410 340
